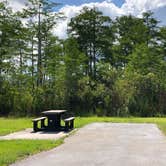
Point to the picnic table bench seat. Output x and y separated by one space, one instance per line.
69 123
35 123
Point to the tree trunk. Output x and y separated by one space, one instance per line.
39 63
32 70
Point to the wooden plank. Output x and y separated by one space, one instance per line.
53 112
69 119
37 119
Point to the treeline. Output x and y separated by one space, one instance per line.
105 67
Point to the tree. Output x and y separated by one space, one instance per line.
130 32
163 40
7 34
90 28
145 77
44 20
146 60
74 70
151 28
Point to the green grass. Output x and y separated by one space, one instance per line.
9 125
11 151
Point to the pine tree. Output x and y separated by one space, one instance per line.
91 29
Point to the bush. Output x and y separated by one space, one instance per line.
144 94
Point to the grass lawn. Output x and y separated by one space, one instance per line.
9 125
10 151
13 150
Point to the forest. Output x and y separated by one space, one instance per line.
105 67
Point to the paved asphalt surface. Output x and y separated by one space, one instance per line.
107 144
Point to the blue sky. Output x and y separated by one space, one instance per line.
118 3
80 2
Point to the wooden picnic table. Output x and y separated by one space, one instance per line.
54 119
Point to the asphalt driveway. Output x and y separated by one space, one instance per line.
107 144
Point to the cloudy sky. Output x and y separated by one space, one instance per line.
111 8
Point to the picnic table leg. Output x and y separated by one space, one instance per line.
67 125
42 123
72 124
35 128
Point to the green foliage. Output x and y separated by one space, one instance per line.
92 30
104 67
130 32
74 68
145 85
146 60
143 94
101 96
144 102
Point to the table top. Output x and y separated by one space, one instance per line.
53 112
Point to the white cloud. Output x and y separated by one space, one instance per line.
134 7
16 4
61 29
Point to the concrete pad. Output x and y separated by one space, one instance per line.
29 134
107 144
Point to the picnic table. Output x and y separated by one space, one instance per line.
53 118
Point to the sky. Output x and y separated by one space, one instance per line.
112 8
80 2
